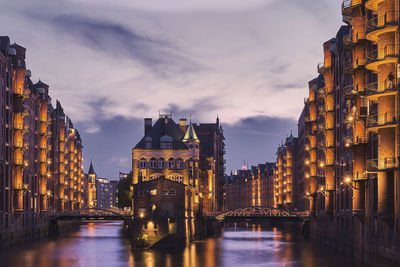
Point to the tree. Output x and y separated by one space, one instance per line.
124 192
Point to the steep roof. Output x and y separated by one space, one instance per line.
91 169
190 134
163 126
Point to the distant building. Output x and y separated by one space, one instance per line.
92 195
284 175
249 188
104 193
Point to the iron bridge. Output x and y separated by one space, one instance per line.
267 213
92 214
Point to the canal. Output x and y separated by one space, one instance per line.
102 244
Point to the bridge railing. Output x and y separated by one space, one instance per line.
93 212
259 212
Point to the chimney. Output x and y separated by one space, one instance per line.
147 125
182 124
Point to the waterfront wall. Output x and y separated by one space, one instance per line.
378 246
167 233
49 229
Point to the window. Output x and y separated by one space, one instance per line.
153 192
179 179
142 163
153 163
148 144
164 192
171 163
161 163
172 192
166 144
179 164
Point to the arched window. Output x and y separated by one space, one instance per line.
179 164
171 163
153 163
142 163
161 163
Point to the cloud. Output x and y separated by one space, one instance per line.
111 63
255 139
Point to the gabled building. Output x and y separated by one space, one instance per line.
164 162
181 157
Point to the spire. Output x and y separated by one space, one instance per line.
190 134
91 169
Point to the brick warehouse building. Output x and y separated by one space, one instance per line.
41 151
351 178
249 188
176 152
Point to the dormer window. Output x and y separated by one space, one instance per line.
148 142
166 142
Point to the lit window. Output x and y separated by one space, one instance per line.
153 192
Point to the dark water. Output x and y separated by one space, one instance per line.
102 244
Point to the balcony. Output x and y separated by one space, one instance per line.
385 88
382 164
387 55
383 120
359 62
378 25
347 5
354 38
350 141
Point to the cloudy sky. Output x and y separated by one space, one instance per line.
112 63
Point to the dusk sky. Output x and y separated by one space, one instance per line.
112 63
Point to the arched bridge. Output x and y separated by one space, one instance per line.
92 214
266 213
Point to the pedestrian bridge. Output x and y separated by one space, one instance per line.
266 213
92 214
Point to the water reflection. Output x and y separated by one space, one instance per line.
102 244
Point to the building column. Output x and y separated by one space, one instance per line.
385 193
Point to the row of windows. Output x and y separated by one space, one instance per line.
164 192
161 164
176 178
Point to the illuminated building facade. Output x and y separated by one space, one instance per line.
250 188
284 174
211 164
178 164
91 180
165 167
32 166
350 178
